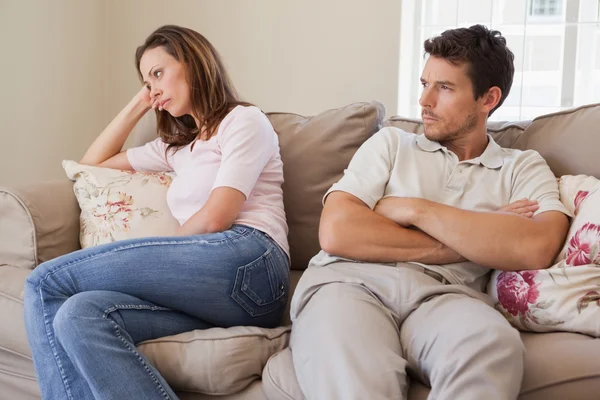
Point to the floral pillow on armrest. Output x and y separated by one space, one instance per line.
117 205
566 296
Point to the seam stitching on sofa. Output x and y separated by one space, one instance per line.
8 296
362 103
568 111
512 145
560 382
564 112
215 339
274 382
22 203
3 371
15 352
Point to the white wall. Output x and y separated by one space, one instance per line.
68 65
52 74
298 56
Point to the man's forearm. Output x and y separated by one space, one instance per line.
495 240
354 231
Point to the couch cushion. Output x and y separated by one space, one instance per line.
558 366
17 376
215 361
279 378
561 366
38 222
252 392
118 205
504 133
567 140
14 348
315 151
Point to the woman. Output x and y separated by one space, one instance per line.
228 263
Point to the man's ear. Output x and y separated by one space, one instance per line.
491 98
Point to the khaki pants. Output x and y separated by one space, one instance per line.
358 329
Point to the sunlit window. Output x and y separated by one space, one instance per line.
556 45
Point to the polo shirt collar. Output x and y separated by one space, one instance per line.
491 157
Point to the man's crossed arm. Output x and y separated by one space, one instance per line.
408 229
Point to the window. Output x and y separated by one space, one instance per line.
544 8
556 45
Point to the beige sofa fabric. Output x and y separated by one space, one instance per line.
252 392
12 335
39 222
568 140
17 376
215 361
561 365
279 378
315 151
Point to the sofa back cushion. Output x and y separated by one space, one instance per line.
315 151
568 140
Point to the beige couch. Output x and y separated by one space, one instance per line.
39 222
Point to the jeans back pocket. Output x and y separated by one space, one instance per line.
260 287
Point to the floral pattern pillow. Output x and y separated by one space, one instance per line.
117 205
566 296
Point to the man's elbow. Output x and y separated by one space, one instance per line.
541 256
333 237
328 240
541 251
538 261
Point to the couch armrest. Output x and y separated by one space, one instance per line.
38 222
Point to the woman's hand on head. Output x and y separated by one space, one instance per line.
143 98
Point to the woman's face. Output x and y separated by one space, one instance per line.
164 77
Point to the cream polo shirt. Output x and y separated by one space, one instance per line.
396 163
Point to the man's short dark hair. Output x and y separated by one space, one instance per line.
489 62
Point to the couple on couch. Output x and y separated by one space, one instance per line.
408 234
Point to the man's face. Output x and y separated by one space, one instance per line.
449 109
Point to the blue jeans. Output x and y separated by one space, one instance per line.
86 311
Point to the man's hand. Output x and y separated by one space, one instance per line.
523 207
399 209
402 210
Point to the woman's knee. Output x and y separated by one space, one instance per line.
77 311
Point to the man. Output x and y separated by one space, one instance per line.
409 235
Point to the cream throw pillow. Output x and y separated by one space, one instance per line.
217 361
566 296
117 205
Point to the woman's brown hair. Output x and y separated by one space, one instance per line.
211 92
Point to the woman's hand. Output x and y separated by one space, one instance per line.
143 99
107 149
